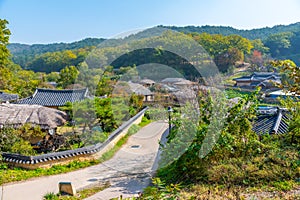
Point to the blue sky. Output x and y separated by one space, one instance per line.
48 21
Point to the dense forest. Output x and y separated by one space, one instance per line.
279 42
24 53
252 34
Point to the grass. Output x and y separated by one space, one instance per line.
109 154
19 174
145 121
232 93
235 192
81 194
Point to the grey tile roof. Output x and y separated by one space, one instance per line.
263 79
49 97
260 76
8 97
272 120
265 74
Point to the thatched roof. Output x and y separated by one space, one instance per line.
139 89
147 81
177 81
18 115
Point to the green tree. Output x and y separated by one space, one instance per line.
105 86
52 77
67 76
135 103
4 38
292 71
259 46
12 141
105 115
292 84
278 43
226 50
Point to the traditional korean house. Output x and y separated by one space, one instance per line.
55 98
147 82
16 115
271 120
6 97
265 80
142 90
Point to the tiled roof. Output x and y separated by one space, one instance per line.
272 120
260 76
243 78
265 74
49 97
8 97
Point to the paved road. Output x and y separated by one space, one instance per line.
128 172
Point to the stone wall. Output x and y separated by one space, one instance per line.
64 157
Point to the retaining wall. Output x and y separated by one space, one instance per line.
86 153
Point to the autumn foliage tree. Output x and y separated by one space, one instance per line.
256 60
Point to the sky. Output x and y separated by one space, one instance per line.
49 21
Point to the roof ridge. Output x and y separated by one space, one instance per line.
62 90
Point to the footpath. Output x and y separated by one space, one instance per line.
128 172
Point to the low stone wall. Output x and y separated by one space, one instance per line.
80 154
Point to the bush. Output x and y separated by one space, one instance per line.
133 129
145 121
22 147
51 196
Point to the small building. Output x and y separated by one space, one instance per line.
6 97
141 90
52 83
55 98
282 94
147 82
264 80
15 115
177 81
271 120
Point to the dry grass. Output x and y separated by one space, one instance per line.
199 192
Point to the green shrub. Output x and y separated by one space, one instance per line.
133 129
51 196
22 147
145 121
283 185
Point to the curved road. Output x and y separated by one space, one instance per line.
128 172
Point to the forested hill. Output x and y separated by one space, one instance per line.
279 42
23 53
16 48
260 33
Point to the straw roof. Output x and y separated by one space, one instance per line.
19 114
139 89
